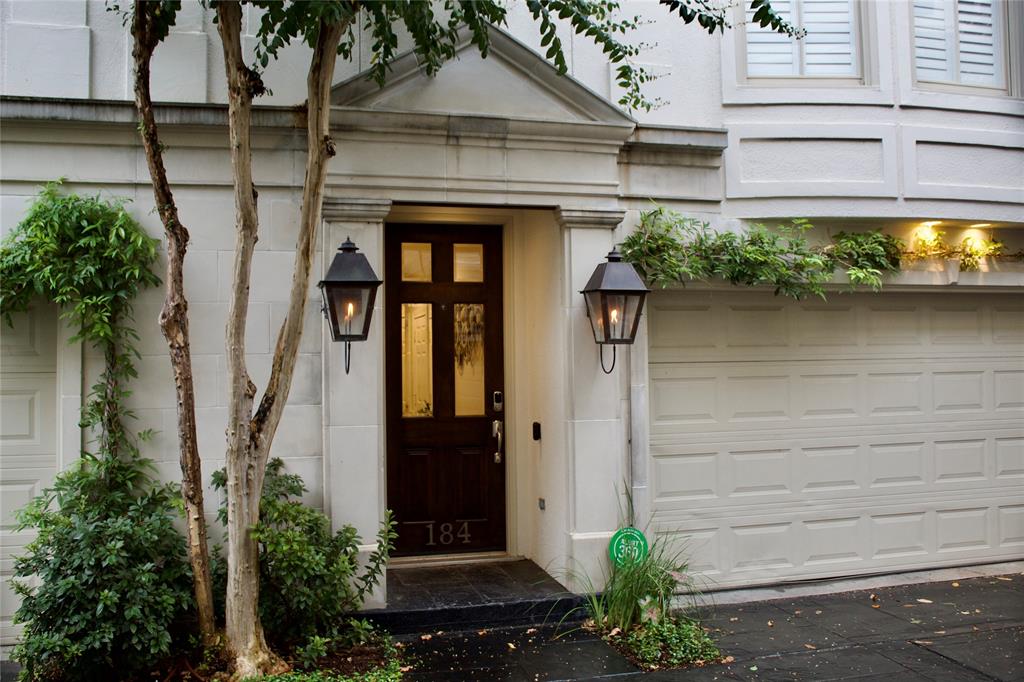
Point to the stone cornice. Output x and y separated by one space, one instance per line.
589 218
338 209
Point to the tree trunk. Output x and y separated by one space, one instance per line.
246 644
250 435
174 323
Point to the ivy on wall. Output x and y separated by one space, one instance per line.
669 248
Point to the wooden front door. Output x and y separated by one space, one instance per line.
445 388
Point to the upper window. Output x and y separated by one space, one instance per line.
828 50
960 42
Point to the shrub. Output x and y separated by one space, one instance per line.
309 579
112 571
668 248
671 642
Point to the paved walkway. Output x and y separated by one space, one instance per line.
966 630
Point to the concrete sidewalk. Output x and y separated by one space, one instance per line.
958 630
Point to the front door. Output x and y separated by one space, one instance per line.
445 388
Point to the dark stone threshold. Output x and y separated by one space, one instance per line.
474 596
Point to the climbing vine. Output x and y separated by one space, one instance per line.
106 575
92 258
668 248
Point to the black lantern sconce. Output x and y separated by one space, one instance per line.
615 298
349 290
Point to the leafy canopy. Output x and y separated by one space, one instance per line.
433 28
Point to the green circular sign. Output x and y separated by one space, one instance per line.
627 546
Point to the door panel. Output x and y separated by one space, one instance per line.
443 321
28 436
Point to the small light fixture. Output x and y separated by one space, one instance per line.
615 298
349 289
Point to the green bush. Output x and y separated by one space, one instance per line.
668 248
112 570
310 580
671 642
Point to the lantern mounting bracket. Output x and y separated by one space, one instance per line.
607 370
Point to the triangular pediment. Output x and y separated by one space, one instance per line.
513 81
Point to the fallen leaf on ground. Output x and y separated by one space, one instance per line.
481 632
810 646
924 642
531 631
426 638
908 606
818 612
797 612
876 606
511 646
753 668
771 624
405 668
915 621
965 613
728 659
874 597
977 610
614 632
924 601
940 632
956 584
733 619
1004 578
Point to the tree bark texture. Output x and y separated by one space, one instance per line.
174 322
250 433
246 643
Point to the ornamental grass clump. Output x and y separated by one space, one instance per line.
635 610
105 580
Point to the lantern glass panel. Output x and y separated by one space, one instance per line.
596 313
348 306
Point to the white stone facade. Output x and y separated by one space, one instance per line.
501 141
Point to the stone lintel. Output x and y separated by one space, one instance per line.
589 218
337 209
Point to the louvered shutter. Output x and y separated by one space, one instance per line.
770 53
958 41
980 48
829 47
933 47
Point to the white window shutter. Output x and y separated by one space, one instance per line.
830 46
770 53
934 47
980 58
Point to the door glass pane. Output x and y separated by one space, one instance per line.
417 360
415 262
469 359
469 262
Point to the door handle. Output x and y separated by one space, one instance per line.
498 431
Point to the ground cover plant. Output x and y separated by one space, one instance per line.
106 579
311 581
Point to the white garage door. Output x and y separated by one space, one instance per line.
874 432
28 435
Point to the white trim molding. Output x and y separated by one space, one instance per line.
737 187
913 188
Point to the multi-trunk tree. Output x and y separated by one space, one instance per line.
329 28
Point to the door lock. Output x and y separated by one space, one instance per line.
498 431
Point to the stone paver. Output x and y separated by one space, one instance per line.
929 632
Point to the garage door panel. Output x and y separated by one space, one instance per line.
707 397
730 326
788 545
722 475
799 440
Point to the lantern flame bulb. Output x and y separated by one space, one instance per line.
350 311
613 314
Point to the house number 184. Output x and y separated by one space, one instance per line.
446 533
